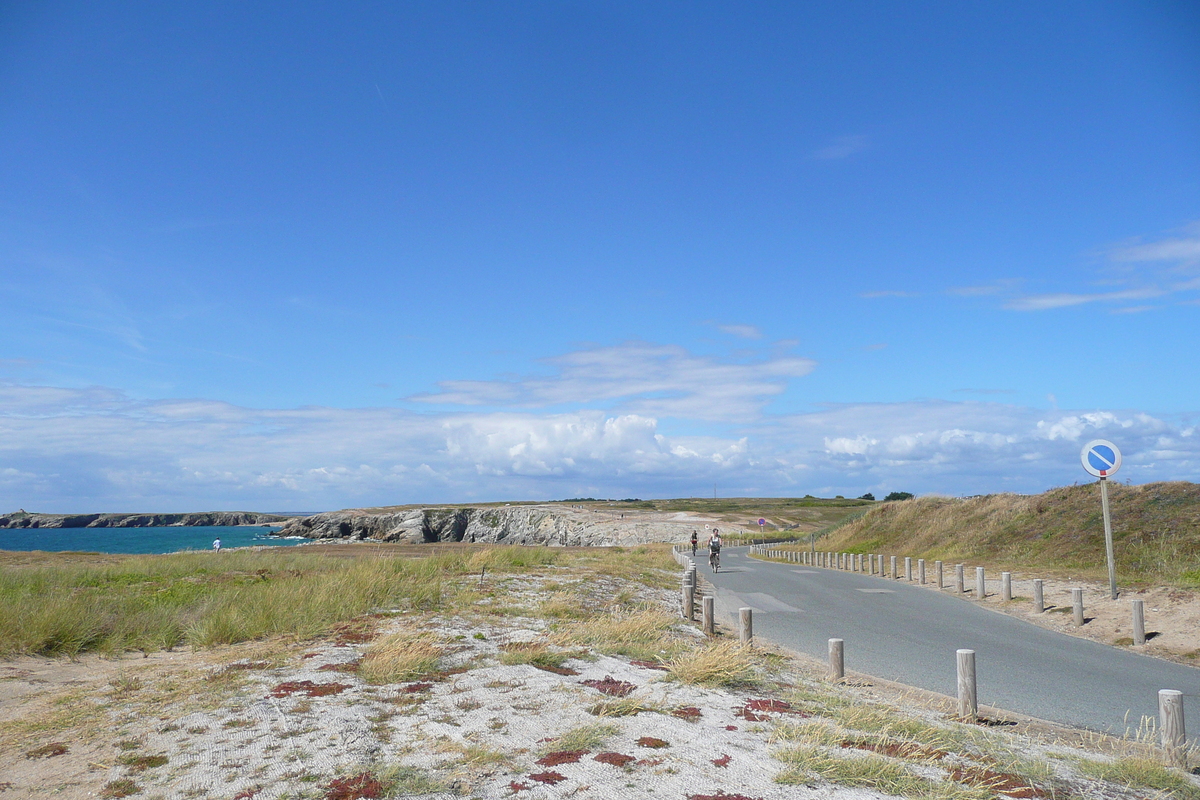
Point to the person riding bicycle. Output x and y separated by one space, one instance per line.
714 549
695 539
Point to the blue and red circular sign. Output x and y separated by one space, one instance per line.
1101 458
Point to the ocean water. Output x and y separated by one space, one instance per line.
140 540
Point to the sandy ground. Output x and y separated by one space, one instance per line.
238 722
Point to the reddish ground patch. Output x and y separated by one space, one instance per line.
548 777
690 713
649 665
723 761
650 741
48 750
616 759
758 710
309 688
561 757
556 670
309 655
896 749
246 794
354 633
358 787
1001 783
649 762
611 686
731 727
720 795
345 666
413 688
518 787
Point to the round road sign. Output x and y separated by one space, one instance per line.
762 522
1101 458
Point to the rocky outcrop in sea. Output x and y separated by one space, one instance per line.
24 519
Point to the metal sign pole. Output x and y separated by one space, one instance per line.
1108 542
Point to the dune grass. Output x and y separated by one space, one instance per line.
724 663
1156 531
153 603
402 656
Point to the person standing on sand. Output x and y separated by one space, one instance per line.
217 545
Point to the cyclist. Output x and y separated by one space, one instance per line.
714 550
695 539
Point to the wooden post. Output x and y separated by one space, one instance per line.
860 564
980 585
937 566
921 570
1039 603
1077 606
689 603
968 699
746 627
837 660
709 627
1170 722
908 568
1139 622
1006 586
958 578
894 574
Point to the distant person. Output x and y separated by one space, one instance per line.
216 545
695 540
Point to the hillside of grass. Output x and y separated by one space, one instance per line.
1156 531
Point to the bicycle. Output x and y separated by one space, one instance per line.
714 561
693 551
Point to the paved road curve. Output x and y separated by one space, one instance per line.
906 633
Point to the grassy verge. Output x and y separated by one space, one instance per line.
153 603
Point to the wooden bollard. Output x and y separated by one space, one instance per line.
908 568
746 624
1077 606
1006 586
837 660
959 588
689 603
1039 602
1170 722
1139 622
921 571
894 575
937 567
980 585
708 624
860 562
968 698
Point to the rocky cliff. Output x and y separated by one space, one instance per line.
526 524
24 519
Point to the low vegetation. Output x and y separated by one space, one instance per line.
65 605
1156 531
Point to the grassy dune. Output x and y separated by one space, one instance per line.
66 606
1156 531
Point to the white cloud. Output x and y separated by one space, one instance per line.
95 449
1043 302
842 147
639 378
742 331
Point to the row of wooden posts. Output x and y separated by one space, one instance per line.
1170 701
875 565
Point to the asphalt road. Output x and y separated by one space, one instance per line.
907 633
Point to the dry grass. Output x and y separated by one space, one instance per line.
641 634
720 664
1156 529
869 771
1141 773
584 737
402 656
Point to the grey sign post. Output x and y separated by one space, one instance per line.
1101 458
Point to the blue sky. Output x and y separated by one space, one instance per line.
306 256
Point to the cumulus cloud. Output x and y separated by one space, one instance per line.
742 331
96 449
638 378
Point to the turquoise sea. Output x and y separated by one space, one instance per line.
140 540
